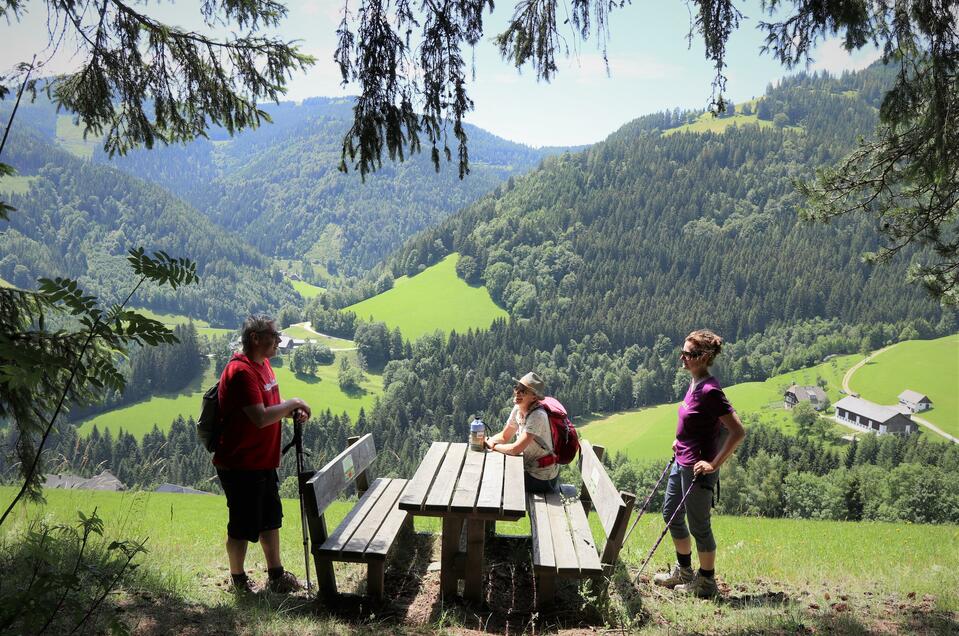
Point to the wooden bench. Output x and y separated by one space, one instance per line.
563 545
368 531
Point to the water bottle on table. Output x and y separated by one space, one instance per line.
477 434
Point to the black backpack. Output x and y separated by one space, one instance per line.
210 424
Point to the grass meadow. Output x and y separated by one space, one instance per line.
777 575
306 290
16 184
301 333
203 328
70 137
648 433
927 366
434 299
321 392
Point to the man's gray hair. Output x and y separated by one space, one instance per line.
256 324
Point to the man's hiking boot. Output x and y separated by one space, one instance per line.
286 583
701 586
677 576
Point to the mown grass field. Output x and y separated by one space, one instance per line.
434 299
779 576
321 392
301 333
707 123
70 137
203 328
16 184
648 433
930 367
306 290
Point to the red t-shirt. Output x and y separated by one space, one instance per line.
242 445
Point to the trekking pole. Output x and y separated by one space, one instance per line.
645 506
666 529
297 442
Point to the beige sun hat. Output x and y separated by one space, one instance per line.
534 383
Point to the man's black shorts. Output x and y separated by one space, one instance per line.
253 498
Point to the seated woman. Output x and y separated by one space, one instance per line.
530 424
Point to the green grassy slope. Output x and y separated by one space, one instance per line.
648 433
321 392
16 184
298 332
203 328
927 366
70 137
436 298
306 290
802 561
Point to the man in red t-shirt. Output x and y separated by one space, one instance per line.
248 453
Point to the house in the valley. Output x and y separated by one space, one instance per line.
812 394
870 416
104 481
915 401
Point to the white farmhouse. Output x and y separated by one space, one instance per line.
915 401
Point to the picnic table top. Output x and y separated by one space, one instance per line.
455 481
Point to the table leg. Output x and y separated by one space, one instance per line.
475 544
452 528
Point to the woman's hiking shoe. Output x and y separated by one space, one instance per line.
246 586
701 586
677 576
286 583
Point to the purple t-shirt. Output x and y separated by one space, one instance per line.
699 428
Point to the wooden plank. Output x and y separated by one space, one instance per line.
583 492
603 494
490 497
383 540
514 487
415 493
563 550
354 518
340 471
582 536
368 529
542 537
467 488
442 490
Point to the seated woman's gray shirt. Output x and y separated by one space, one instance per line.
536 424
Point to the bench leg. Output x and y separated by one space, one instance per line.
452 527
325 578
475 544
375 578
545 589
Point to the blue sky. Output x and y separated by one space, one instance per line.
651 67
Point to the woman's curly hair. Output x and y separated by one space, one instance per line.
708 342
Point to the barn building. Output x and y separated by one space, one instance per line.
870 416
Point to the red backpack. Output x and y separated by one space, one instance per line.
565 439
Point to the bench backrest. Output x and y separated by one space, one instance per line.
613 507
327 483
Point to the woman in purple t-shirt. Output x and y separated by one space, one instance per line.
700 449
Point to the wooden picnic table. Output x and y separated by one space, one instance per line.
471 488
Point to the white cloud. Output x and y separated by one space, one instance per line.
832 56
